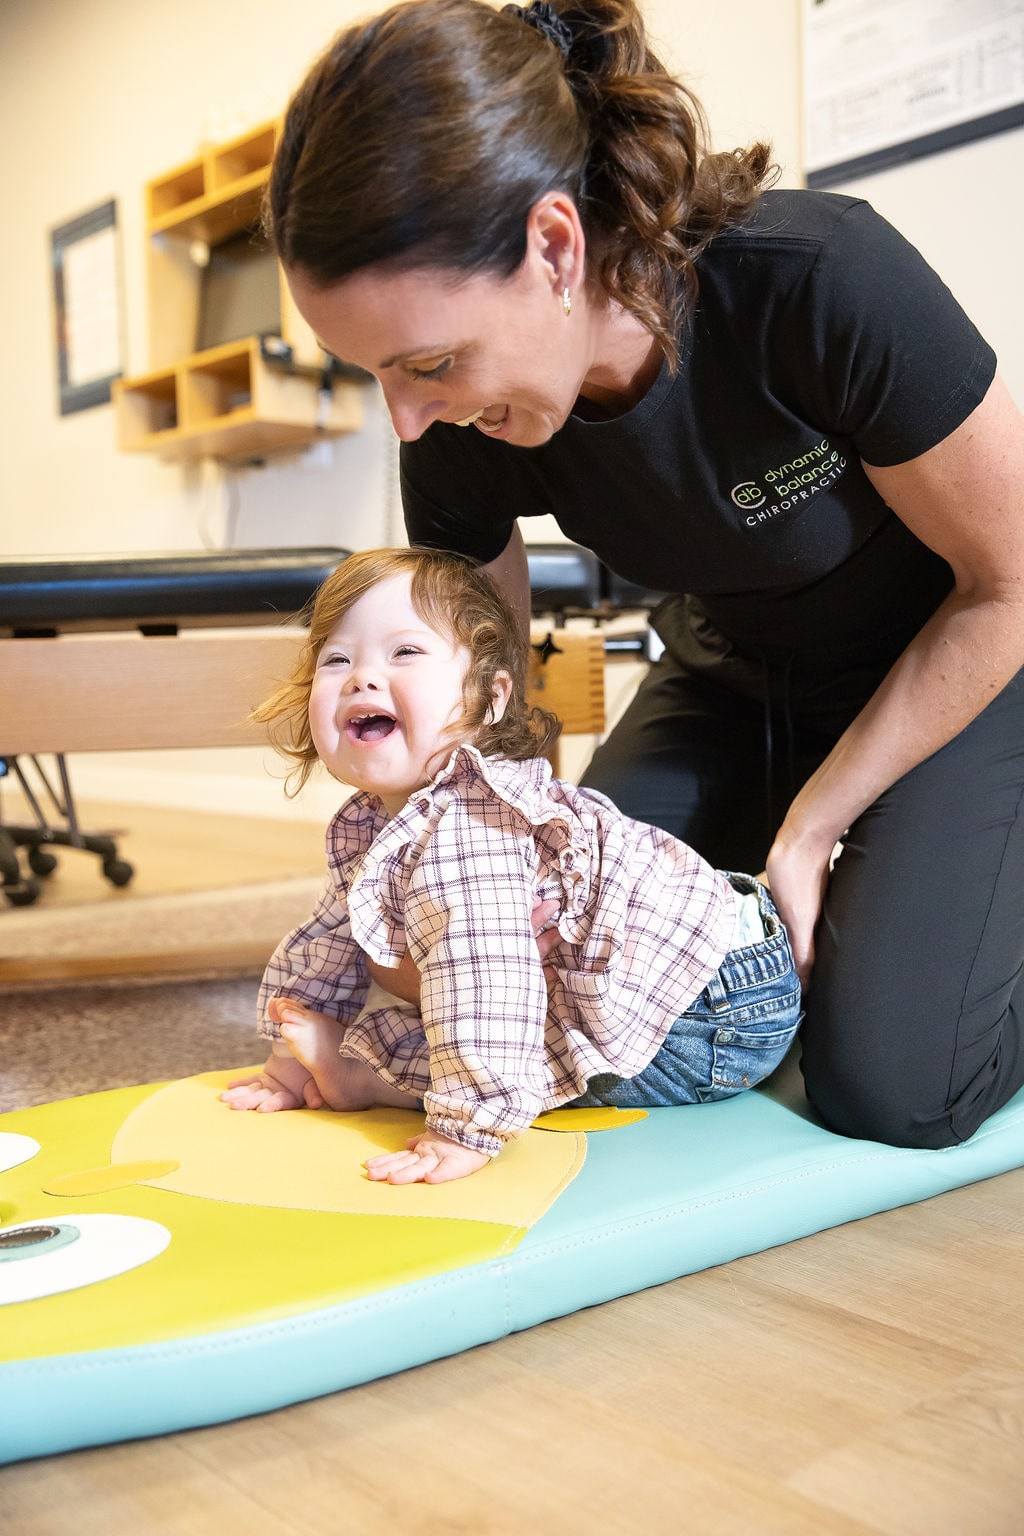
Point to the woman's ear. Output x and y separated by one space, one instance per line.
500 695
554 237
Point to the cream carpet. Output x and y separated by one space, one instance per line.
57 1042
136 990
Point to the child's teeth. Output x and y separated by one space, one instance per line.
470 419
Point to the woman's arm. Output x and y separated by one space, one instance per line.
964 498
511 573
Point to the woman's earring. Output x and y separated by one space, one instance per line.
567 301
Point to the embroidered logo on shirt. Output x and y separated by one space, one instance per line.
786 486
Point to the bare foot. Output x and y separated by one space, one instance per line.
284 1083
342 1082
428 1159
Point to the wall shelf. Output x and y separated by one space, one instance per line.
227 402
222 401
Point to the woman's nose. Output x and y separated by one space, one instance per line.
411 416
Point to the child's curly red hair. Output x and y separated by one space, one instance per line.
457 600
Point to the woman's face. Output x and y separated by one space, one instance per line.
498 355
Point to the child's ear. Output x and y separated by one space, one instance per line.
500 695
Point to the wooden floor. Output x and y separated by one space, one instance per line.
869 1379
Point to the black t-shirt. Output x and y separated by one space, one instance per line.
821 337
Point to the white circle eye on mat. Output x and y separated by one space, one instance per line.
15 1149
44 1257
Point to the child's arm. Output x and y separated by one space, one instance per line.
483 999
318 964
403 980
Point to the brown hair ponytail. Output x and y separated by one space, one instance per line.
424 137
653 196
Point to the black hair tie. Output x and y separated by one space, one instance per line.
544 20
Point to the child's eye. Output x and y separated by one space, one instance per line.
333 659
408 650
437 372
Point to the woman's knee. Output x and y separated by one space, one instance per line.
895 1120
911 1082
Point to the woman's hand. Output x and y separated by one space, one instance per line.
797 876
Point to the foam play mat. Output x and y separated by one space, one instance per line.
166 1262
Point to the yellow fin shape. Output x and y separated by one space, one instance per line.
97 1181
604 1119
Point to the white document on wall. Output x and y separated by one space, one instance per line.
889 80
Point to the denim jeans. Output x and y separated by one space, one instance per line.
731 1036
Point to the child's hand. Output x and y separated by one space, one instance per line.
427 1159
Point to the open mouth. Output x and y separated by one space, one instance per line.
485 423
369 727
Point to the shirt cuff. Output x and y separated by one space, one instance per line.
467 1134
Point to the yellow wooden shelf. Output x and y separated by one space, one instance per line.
226 401
215 216
218 192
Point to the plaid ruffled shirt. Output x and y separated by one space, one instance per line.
451 880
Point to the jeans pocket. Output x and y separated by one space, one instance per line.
740 1059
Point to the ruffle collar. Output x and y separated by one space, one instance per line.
363 841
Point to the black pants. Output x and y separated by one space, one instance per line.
913 1027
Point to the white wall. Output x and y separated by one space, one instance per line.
96 97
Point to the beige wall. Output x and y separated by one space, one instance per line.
97 96
963 210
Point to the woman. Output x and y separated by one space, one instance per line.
762 401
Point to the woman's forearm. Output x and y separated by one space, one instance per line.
962 499
511 573
967 652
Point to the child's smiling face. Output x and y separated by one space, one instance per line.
385 695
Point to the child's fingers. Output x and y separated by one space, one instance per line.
242 1097
400 1167
244 1092
282 1099
388 1160
256 1095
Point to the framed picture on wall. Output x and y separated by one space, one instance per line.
87 306
887 81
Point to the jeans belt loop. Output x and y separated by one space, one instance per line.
718 998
